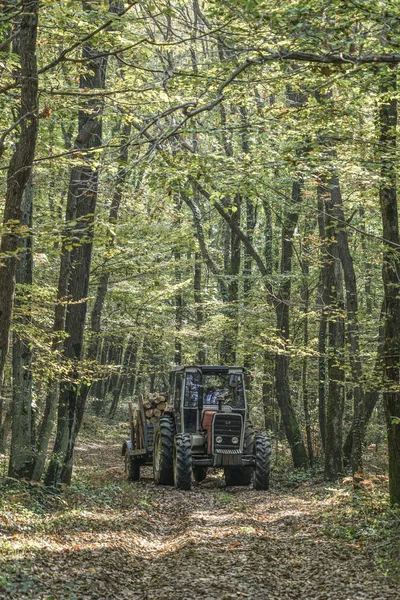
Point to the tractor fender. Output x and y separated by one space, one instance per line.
126 447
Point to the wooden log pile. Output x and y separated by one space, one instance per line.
154 406
147 412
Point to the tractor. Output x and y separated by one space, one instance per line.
204 425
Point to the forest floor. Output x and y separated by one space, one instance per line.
104 538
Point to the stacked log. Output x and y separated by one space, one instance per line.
147 412
154 406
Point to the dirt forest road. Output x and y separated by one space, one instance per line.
114 540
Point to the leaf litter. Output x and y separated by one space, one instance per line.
106 539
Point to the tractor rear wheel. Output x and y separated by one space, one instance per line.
242 475
262 451
163 451
182 462
132 467
199 473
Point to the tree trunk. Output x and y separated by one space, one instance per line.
128 359
390 274
371 395
268 359
351 325
323 322
231 254
178 295
19 170
199 309
247 258
81 205
23 422
93 349
228 350
305 266
282 359
334 301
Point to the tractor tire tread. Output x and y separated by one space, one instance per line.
166 430
262 451
183 462
132 468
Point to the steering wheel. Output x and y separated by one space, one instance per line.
224 397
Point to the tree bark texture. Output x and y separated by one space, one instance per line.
81 205
19 169
352 325
179 294
282 359
305 266
390 274
23 422
371 395
322 331
333 301
199 308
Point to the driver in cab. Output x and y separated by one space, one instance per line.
214 394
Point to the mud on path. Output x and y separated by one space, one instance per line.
107 539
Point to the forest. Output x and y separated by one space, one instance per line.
194 182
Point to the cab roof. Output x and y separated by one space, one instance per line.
207 368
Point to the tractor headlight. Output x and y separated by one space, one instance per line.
235 440
219 439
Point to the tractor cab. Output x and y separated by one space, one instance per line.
197 390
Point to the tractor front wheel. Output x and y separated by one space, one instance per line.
163 451
182 462
262 451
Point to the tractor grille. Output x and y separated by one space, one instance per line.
227 426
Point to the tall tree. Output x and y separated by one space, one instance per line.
23 422
20 167
80 210
333 292
390 274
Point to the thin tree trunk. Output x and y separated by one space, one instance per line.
268 392
247 259
228 350
323 322
93 349
178 295
129 351
352 325
282 359
268 359
231 252
333 295
23 422
304 367
199 309
371 396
